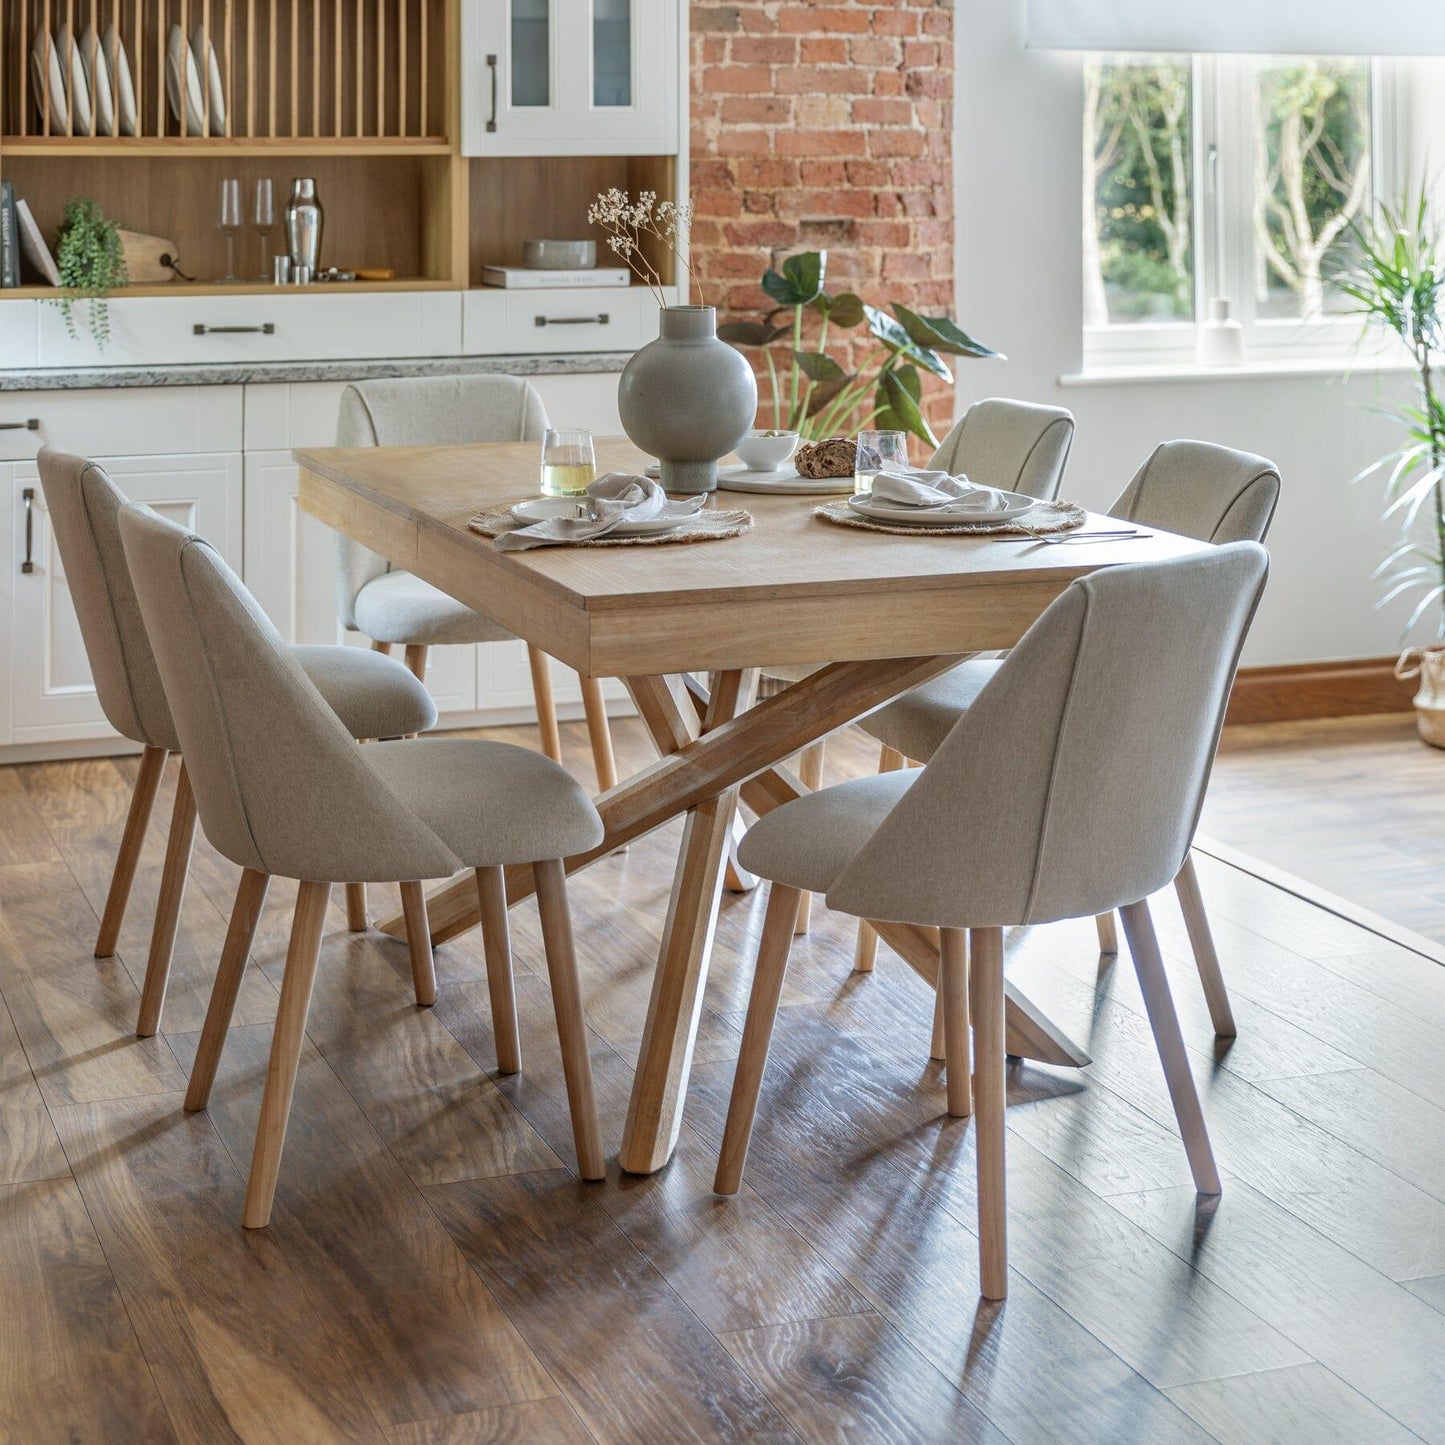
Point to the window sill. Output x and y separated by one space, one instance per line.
1252 370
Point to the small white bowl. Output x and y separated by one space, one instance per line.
763 450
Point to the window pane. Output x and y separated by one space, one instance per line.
1312 178
531 58
612 52
1138 190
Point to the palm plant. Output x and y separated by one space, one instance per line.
813 393
1396 281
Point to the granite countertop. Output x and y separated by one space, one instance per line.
242 372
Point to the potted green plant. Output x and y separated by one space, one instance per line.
91 261
1396 279
813 393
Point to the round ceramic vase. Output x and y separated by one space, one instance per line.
687 398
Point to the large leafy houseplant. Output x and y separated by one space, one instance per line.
812 392
91 262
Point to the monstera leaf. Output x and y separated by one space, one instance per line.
900 389
826 376
892 333
750 333
938 333
801 279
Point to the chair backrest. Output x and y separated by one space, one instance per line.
1202 490
1014 445
1073 783
84 505
280 785
426 411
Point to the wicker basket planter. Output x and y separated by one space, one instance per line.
1428 664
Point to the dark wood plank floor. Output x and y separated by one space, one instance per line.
435 1271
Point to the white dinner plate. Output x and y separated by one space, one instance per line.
541 509
1017 505
43 60
784 482
183 84
210 74
97 78
119 63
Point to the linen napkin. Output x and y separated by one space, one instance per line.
611 500
917 487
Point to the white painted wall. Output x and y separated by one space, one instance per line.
1019 194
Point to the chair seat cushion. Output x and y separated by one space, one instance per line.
917 722
489 802
399 607
374 696
808 843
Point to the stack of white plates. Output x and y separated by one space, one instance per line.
1015 504
88 82
187 90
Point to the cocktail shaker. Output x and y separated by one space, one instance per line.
304 221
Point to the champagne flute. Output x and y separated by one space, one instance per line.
230 224
263 218
569 464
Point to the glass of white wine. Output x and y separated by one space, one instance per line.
877 450
569 465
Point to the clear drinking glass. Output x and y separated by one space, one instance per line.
877 450
230 224
569 465
263 219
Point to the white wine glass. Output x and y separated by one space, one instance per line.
230 224
263 219
569 464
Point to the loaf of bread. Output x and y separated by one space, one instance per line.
831 457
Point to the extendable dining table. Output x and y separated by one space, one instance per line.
882 612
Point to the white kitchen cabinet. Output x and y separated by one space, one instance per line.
121 421
51 694
570 77
18 327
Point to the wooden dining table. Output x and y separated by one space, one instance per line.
882 612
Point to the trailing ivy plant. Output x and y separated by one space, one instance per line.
813 393
91 262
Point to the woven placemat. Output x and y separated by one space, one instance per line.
1046 517
712 524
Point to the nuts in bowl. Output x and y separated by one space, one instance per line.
762 450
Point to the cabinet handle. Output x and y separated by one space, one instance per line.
492 66
29 424
28 495
601 319
266 329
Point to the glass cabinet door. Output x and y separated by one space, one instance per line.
530 72
611 53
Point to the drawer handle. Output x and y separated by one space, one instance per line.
28 565
29 424
266 329
492 66
601 319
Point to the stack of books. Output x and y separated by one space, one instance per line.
20 236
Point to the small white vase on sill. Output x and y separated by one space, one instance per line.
1221 338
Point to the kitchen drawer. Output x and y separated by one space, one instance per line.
17 333
268 326
586 318
122 421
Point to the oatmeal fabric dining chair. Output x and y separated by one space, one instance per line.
283 789
1197 489
372 695
395 608
1121 683
1017 446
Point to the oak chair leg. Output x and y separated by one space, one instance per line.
245 914
137 820
546 706
865 951
168 906
937 1046
599 730
1108 933
772 965
1154 985
1201 940
497 942
381 647
990 1086
418 942
953 999
810 774
415 657
356 907
289 1034
551 878
736 878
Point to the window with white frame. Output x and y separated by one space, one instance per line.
1228 176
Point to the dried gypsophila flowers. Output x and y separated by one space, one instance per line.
626 221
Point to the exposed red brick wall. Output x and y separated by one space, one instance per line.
825 124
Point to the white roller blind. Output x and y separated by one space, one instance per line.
1237 27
